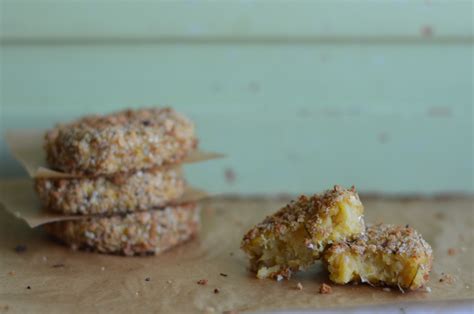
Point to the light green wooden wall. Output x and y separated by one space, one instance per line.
299 94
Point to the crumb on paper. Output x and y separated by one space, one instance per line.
428 289
136 293
452 251
12 273
102 268
216 290
45 259
299 286
169 282
325 289
387 289
202 282
209 310
28 287
147 279
20 248
223 275
447 278
59 265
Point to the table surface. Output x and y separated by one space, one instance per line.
62 280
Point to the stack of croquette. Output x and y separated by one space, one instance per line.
126 180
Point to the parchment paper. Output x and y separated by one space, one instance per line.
65 281
27 147
19 198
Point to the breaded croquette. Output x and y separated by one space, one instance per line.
385 254
294 237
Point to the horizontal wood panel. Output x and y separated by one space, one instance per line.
394 119
224 20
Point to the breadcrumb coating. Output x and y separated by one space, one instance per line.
142 233
121 193
125 141
383 255
294 237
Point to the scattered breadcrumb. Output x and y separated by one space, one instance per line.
136 293
12 273
325 289
102 268
216 291
387 289
209 310
447 278
147 279
20 248
428 289
202 282
169 281
223 275
58 265
45 259
299 286
452 251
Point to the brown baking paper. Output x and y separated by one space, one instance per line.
27 147
66 281
19 198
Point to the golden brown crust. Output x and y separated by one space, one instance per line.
125 141
116 194
384 254
390 239
150 232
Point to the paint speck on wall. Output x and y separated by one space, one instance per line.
439 111
427 31
324 57
303 112
383 137
229 175
293 157
216 87
254 87
195 30
378 60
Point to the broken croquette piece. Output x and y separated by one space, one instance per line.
385 254
294 237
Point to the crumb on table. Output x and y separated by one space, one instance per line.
202 282
325 289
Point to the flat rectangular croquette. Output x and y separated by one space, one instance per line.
294 237
141 233
124 141
116 194
384 255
